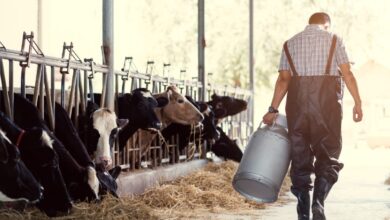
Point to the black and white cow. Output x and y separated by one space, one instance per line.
231 105
37 153
226 148
138 107
66 132
100 126
17 183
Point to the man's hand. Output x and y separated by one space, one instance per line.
269 118
357 113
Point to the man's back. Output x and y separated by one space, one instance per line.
309 50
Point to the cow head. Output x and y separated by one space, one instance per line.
39 155
231 105
178 109
103 127
210 132
226 147
17 182
138 107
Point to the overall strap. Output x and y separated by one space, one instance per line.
331 52
289 59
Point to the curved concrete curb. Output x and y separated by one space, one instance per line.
136 183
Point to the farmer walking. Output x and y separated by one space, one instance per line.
313 68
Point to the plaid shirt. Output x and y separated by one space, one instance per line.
309 51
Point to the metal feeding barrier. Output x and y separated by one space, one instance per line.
85 74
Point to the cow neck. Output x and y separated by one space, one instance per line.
164 120
13 132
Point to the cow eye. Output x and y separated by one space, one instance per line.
180 100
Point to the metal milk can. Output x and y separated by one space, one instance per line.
265 162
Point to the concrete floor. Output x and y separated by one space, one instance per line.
359 194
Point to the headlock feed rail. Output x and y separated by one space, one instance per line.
88 78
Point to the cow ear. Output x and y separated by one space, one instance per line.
91 107
214 96
162 101
202 106
170 94
114 172
220 112
121 122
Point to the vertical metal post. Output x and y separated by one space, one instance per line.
39 23
11 88
251 64
108 48
201 50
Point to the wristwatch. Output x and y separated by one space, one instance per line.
272 110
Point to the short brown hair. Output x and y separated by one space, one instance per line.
319 18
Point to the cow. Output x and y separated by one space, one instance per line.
100 126
138 107
37 153
226 148
17 183
178 110
68 135
231 105
209 131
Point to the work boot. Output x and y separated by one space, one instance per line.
321 190
303 207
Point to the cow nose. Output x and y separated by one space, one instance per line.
106 161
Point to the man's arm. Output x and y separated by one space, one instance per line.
281 87
352 86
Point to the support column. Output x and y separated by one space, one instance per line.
201 51
108 49
251 65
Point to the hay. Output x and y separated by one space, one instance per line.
109 208
209 189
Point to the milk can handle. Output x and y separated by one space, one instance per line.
273 124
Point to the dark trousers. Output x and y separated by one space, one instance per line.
314 115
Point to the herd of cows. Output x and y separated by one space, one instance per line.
53 169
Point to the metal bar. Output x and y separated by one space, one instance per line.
11 87
37 85
63 90
82 95
85 93
42 93
104 89
53 90
201 49
71 95
108 48
76 97
90 83
5 90
23 82
49 101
